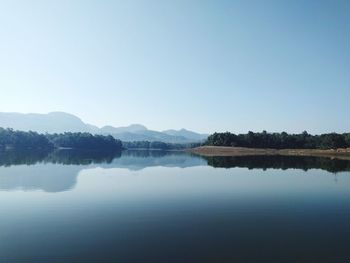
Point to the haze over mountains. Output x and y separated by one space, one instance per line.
60 122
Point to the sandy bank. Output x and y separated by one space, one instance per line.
239 151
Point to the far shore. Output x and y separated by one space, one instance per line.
343 153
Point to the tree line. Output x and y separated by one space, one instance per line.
23 140
10 139
156 145
280 140
83 140
279 162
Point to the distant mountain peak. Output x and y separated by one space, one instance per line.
139 127
187 134
62 114
60 122
115 130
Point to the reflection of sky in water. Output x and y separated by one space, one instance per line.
101 212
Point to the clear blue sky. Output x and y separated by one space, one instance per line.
203 65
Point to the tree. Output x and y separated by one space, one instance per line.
280 140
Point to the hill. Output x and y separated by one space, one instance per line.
60 122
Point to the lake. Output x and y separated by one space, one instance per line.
151 206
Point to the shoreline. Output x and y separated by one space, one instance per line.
343 153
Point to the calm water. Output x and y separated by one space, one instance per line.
172 207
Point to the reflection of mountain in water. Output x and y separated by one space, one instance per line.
48 171
46 177
133 160
280 162
137 160
58 171
75 157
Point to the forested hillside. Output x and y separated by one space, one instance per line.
280 140
85 141
10 139
23 140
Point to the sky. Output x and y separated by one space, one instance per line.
202 65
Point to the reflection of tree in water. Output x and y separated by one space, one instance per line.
81 157
8 158
280 162
151 153
76 157
84 157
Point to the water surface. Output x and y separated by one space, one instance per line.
145 206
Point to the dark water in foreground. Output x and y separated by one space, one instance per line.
172 207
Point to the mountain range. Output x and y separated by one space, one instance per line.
60 122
